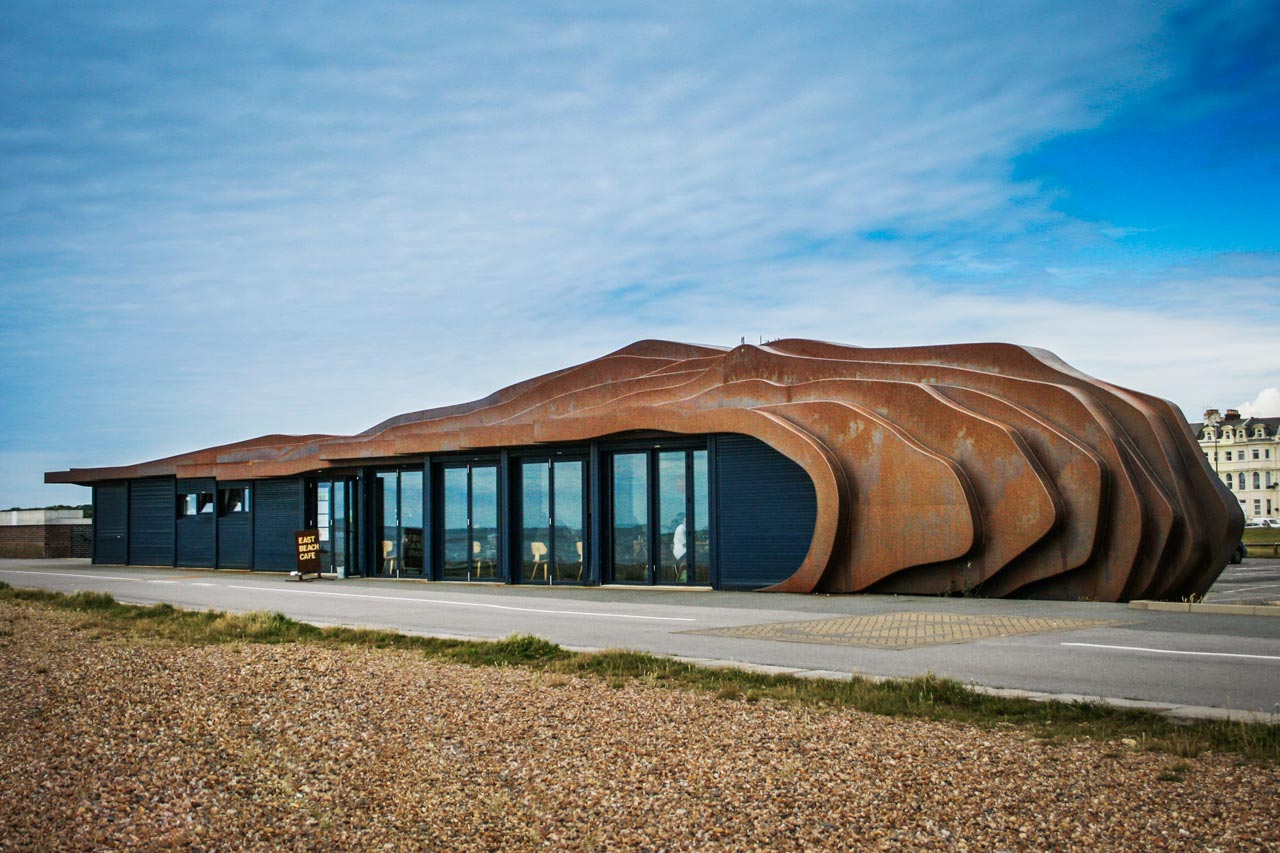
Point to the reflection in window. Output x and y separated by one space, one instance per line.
186 504
234 499
204 502
535 508
411 521
630 517
387 521
701 545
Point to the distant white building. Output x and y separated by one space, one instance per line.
21 517
36 533
1245 453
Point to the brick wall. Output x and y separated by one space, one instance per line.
35 541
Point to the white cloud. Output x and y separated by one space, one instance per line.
1265 405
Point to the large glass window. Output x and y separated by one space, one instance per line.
672 518
535 524
411 517
701 524
552 546
457 524
661 517
469 514
570 520
630 507
335 522
387 522
398 515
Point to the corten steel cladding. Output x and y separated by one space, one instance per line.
985 468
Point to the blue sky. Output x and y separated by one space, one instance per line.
224 220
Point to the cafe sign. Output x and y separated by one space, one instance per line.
308 551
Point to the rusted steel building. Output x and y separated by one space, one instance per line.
800 466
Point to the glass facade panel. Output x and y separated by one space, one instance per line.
324 524
387 522
701 525
570 539
484 521
457 538
630 517
669 514
535 496
411 522
673 531
340 512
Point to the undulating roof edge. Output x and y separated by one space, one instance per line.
983 467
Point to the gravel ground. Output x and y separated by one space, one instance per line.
117 743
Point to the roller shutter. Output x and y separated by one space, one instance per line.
277 515
151 522
111 523
766 509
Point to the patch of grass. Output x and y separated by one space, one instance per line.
926 697
515 650
1260 536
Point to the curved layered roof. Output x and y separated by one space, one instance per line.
988 468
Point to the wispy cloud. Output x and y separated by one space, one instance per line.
223 221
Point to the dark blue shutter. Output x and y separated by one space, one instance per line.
766 509
235 533
111 523
277 516
152 510
195 532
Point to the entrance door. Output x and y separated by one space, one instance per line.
660 517
469 522
396 513
553 546
335 520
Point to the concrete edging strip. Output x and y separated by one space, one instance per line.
1206 607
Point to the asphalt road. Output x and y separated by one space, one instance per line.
1219 661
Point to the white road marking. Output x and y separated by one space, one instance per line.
68 575
378 597
467 604
1174 651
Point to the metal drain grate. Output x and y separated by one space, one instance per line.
903 630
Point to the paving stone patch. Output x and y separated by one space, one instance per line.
904 630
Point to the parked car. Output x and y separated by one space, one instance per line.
1238 555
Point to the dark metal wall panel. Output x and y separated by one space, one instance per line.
195 533
278 510
111 523
235 533
766 509
151 521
